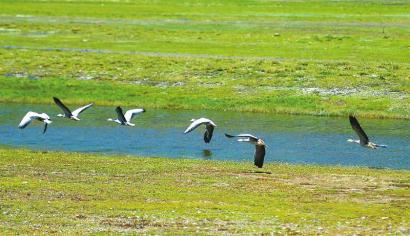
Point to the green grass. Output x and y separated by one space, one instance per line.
345 30
70 193
320 57
228 98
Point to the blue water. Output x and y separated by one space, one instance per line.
291 139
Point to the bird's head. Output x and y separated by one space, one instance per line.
260 142
60 115
109 119
192 120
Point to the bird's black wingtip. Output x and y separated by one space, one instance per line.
352 116
228 135
352 119
144 110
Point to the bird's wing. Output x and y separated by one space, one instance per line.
27 119
120 115
78 111
243 140
45 127
359 131
243 137
195 124
130 113
208 133
259 155
65 109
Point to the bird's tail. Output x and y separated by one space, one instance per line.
229 136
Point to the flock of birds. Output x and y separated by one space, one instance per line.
125 119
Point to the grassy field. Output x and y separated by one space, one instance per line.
70 193
320 57
300 57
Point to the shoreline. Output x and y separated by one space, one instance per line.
106 93
248 163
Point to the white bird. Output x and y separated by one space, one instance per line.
43 117
67 113
125 119
259 146
210 125
363 138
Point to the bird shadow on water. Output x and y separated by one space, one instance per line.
207 154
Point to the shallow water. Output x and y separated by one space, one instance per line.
291 139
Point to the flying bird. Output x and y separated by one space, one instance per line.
209 124
43 117
259 146
125 119
363 138
67 113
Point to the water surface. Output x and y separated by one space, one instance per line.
291 139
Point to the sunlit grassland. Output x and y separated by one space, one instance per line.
345 30
316 57
81 193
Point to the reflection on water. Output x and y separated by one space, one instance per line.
207 154
293 139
